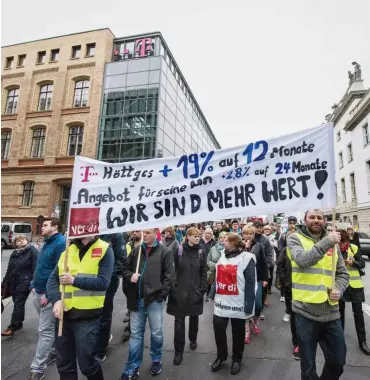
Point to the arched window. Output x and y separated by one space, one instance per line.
38 142
5 144
81 93
28 189
75 138
45 97
12 101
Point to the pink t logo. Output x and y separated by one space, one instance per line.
86 173
143 46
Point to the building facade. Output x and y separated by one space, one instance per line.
148 108
352 155
51 99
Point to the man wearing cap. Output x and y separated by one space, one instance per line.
292 222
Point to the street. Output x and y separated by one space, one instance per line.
267 357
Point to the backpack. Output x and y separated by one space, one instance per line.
181 250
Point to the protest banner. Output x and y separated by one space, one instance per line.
288 173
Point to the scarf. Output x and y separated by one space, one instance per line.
219 247
344 247
233 252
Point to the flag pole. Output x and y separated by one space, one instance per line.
60 329
334 252
139 255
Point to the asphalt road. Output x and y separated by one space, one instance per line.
267 357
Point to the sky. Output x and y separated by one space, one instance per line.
258 69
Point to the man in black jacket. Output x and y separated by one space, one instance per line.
147 291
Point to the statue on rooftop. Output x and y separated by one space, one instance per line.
357 71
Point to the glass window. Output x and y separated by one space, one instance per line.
115 81
9 62
149 149
81 93
54 55
365 132
75 141
5 228
138 79
350 152
28 189
41 55
343 188
138 65
76 51
90 50
46 94
12 102
353 185
340 160
5 144
154 76
38 143
21 60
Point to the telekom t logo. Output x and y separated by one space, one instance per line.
143 46
86 172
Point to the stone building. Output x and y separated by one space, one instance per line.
51 98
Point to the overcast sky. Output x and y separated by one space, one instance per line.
258 68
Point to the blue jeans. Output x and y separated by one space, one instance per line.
77 342
212 292
154 312
330 337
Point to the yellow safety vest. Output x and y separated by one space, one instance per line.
89 267
310 285
354 274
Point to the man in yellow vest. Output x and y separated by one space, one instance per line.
315 301
90 267
355 291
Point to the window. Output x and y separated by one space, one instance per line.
350 153
5 228
9 62
41 55
21 60
28 189
5 144
38 143
76 51
353 185
54 55
90 50
368 175
343 188
340 160
338 135
365 131
75 141
81 93
22 229
46 94
12 102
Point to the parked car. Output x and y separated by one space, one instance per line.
365 244
9 230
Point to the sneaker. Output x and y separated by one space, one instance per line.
7 332
101 358
110 338
135 376
256 330
262 317
193 346
35 376
207 299
286 318
282 299
156 368
247 338
295 354
51 358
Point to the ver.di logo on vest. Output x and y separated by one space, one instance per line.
227 280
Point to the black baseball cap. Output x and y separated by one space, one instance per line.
257 223
292 219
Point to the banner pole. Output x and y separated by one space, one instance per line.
333 266
139 255
60 329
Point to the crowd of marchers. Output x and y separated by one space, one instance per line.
176 270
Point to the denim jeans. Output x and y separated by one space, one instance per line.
154 312
330 337
19 300
106 318
212 292
46 334
77 342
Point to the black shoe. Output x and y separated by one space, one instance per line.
235 368
51 358
135 376
177 359
101 358
193 346
364 348
156 368
217 365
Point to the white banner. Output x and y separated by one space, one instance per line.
289 173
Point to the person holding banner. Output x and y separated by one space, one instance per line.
149 275
236 287
313 256
355 292
90 263
186 297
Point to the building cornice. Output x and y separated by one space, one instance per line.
11 76
345 103
359 112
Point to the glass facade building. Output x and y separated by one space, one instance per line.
148 109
